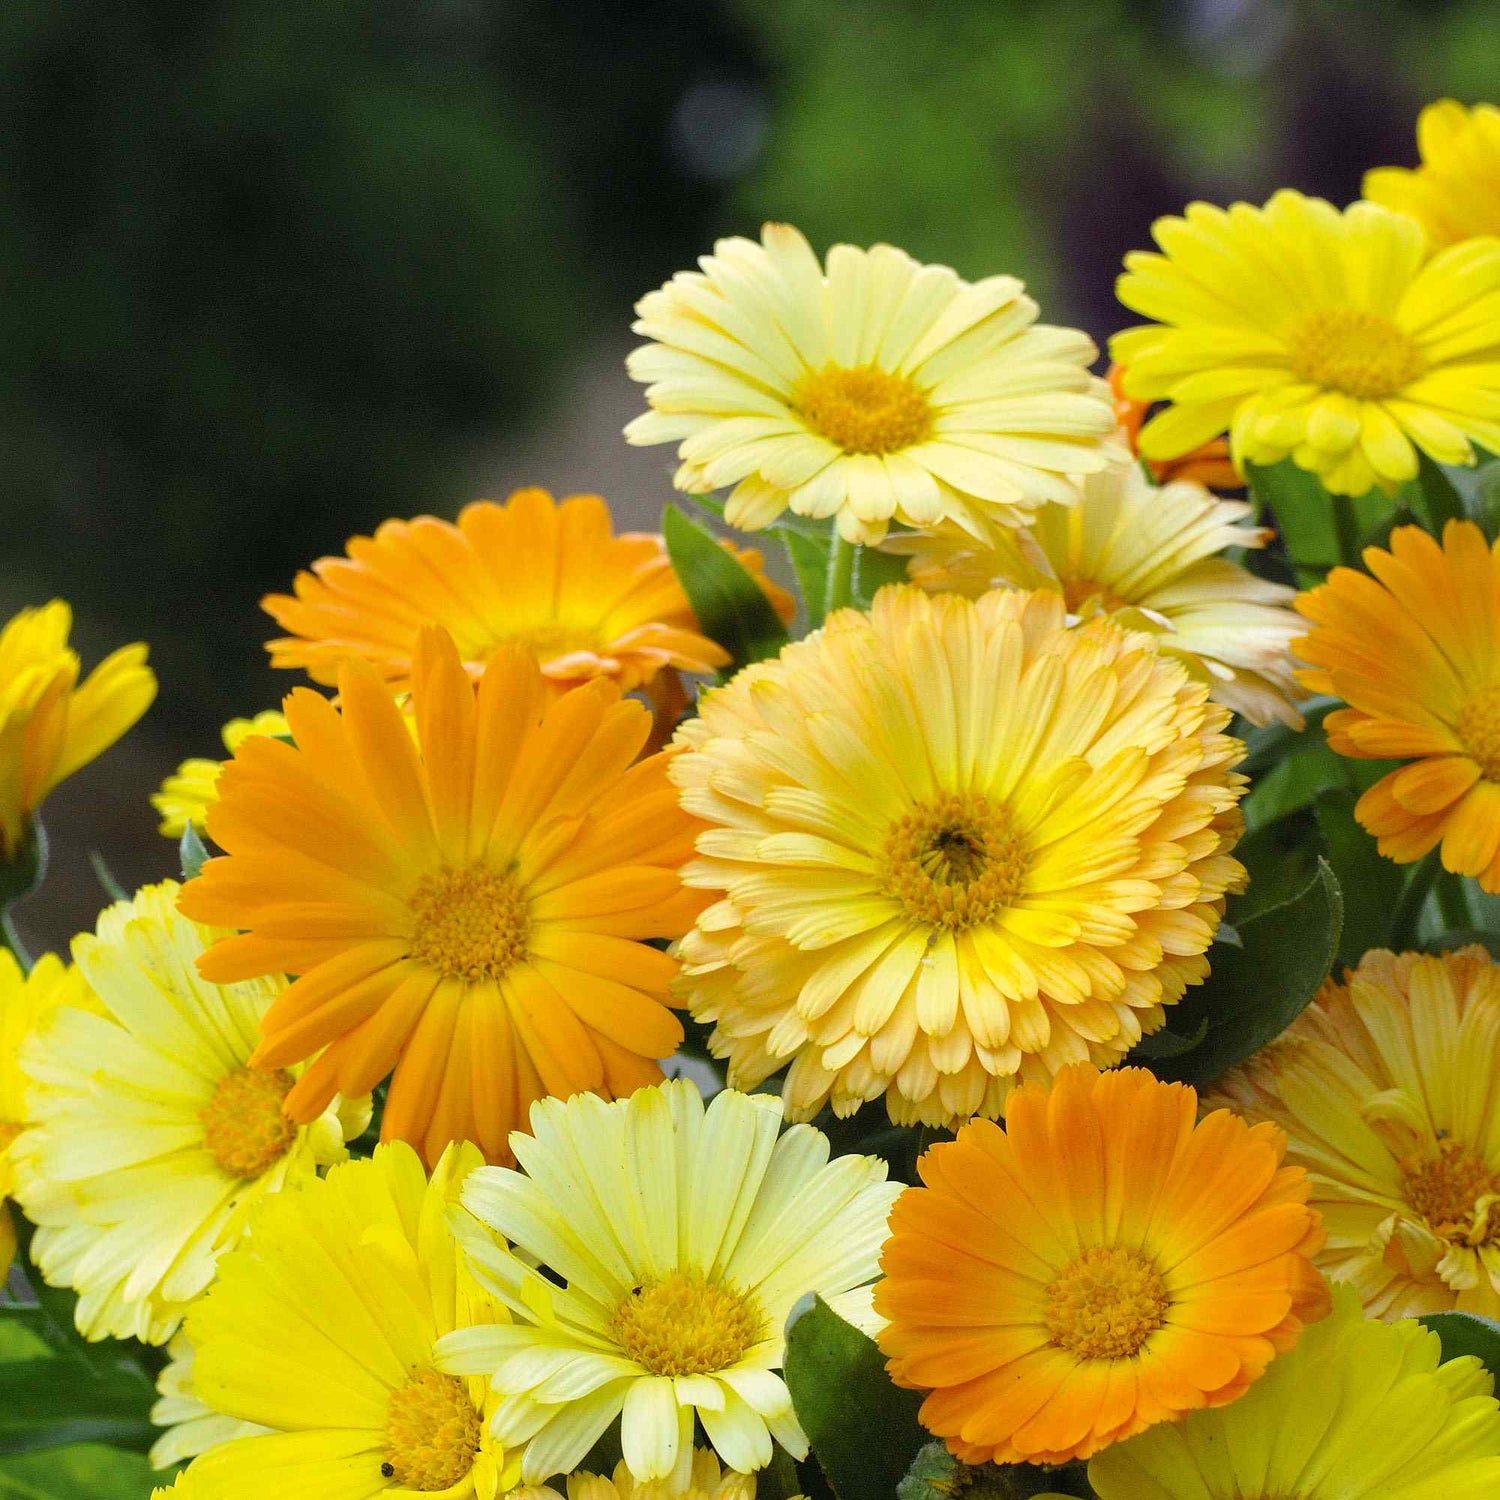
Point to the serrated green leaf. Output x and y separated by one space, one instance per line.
88 1471
1281 857
729 604
192 852
1467 1333
1256 991
1370 883
836 1374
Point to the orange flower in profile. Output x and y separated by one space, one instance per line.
1209 463
1415 653
552 578
467 905
1102 1264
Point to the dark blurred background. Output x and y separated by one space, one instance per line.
276 269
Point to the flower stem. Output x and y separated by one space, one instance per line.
838 592
1408 914
10 938
1346 527
1453 903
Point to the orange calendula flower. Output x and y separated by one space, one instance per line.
1415 653
51 725
467 906
1387 1089
551 578
1209 463
1102 1264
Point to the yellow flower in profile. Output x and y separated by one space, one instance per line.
469 907
875 390
954 844
679 1238
1388 1090
185 797
1331 338
26 1000
1153 558
1455 193
1357 1411
1415 653
322 1327
50 723
1102 1264
150 1133
708 1482
552 578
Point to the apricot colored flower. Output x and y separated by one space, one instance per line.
1455 193
1388 1090
874 390
1154 559
952 844
1415 653
185 796
1337 340
468 907
551 578
50 723
1102 1264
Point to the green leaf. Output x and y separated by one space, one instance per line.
1256 991
106 877
1294 783
1467 1333
88 1471
863 1429
729 604
1166 1043
1274 742
1461 937
192 853
1304 514
1370 883
873 569
1438 501
1281 857
52 1402
1479 489
809 556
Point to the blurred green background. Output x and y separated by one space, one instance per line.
276 269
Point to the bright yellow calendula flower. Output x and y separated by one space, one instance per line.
1455 193
185 797
1415 653
149 1133
679 1236
1335 339
322 1328
1388 1090
50 723
1151 557
1357 1411
1104 1263
870 390
953 845
26 1000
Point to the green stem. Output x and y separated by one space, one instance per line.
1408 914
10 938
838 592
1453 903
1346 526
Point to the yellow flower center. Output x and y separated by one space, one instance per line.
1479 729
244 1127
1077 592
1360 353
956 861
1445 1190
432 1432
864 410
1106 1304
685 1325
470 924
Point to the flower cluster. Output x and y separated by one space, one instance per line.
1030 1104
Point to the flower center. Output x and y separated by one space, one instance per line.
1077 592
863 410
685 1325
1106 1304
1479 729
1359 353
245 1129
432 1432
956 861
470 924
1447 1190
